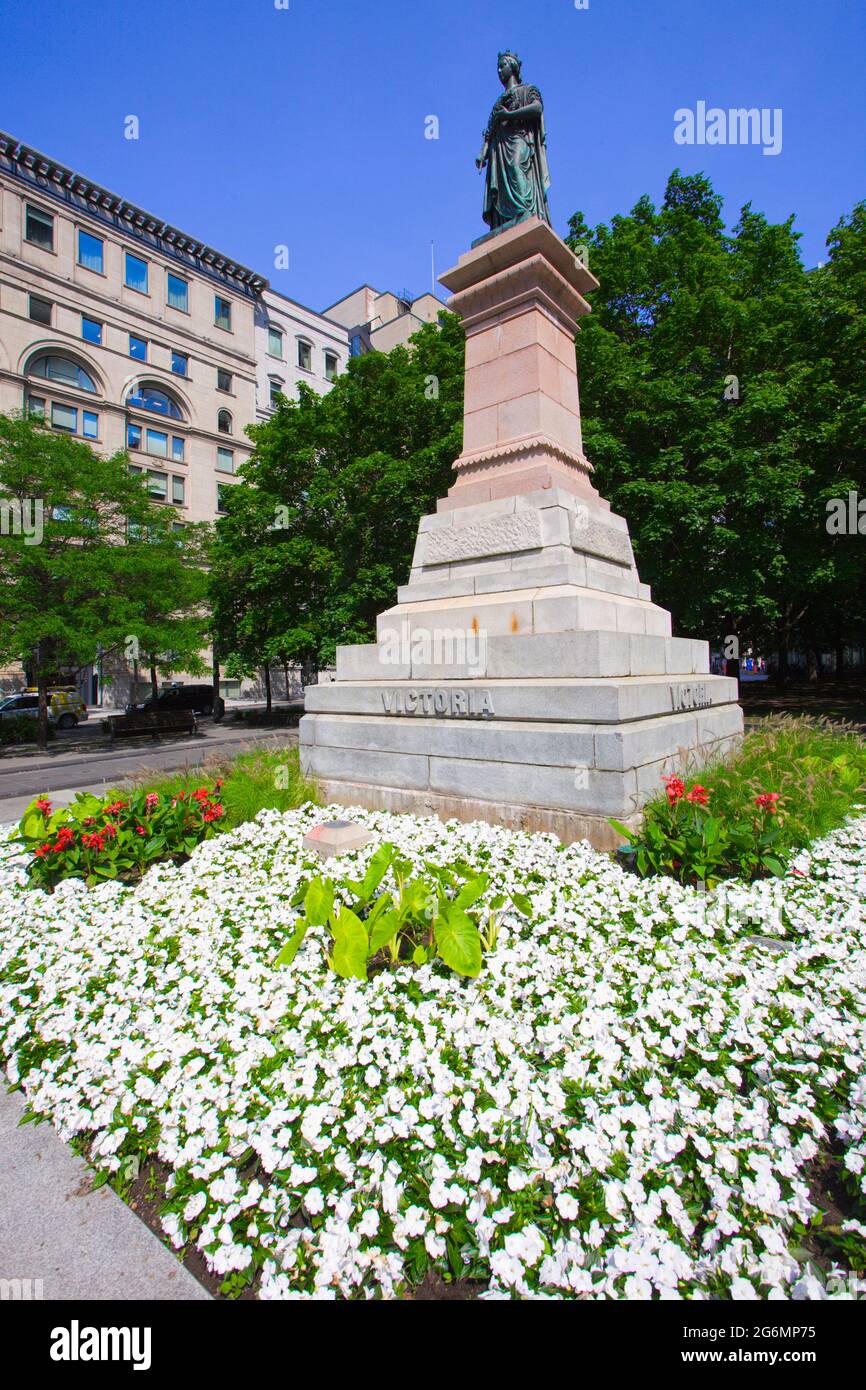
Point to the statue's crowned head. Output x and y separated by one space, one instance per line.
508 63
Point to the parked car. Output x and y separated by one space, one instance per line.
65 707
198 698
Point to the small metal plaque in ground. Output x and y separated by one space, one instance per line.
336 837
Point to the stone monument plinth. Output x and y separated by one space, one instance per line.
524 676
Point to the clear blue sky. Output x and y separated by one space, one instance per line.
306 127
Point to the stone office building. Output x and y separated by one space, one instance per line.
126 332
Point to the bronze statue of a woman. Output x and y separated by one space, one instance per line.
515 152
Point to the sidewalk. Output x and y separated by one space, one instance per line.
79 1244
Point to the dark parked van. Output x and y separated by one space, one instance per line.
198 698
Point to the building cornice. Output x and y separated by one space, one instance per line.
80 195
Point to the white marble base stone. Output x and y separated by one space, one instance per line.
524 677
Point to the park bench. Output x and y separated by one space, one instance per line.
153 722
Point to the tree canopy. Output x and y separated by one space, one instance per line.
723 408
319 534
88 561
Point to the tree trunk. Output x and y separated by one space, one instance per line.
215 670
813 664
782 663
42 730
840 660
154 679
268 687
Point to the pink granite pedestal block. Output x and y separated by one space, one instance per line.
520 296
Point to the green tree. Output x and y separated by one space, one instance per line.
320 532
101 566
716 412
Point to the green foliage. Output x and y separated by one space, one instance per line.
99 838
107 565
732 490
684 840
731 827
264 779
321 531
22 728
422 918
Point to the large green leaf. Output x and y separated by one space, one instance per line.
290 950
319 901
458 941
351 946
472 891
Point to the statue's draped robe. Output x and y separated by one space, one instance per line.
517 173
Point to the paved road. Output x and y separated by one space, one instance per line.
63 773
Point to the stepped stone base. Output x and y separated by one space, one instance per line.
566 825
524 676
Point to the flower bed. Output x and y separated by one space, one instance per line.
640 1095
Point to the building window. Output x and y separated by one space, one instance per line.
331 364
222 312
135 272
222 491
178 293
90 251
39 228
40 310
224 422
133 436
275 343
224 379
151 398
355 345
179 363
276 392
155 442
178 448
62 370
157 485
225 460
64 417
138 348
89 424
91 330
305 356
36 407
177 491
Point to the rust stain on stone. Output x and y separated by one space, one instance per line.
515 625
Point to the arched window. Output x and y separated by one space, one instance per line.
63 370
224 422
153 398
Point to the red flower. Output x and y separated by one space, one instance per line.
675 788
43 805
115 806
798 872
94 841
202 794
698 795
767 802
140 830
152 799
111 831
41 850
213 812
64 839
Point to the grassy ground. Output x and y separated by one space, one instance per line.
817 766
252 782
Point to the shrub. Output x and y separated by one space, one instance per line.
427 917
683 838
21 728
105 838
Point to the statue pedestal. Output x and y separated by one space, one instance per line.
524 676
